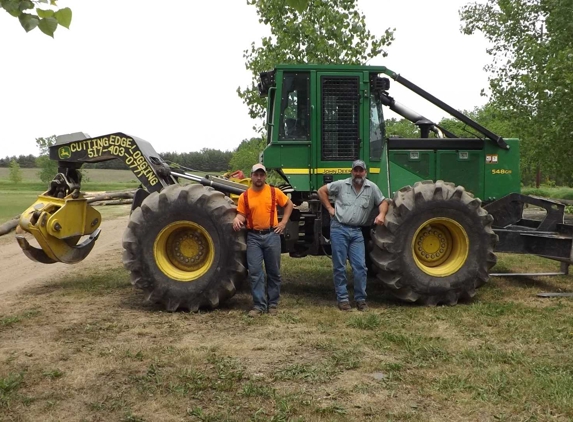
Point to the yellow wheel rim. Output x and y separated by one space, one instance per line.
440 247
184 251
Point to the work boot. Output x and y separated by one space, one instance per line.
361 306
255 313
273 311
344 306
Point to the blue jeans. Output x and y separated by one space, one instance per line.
348 242
267 248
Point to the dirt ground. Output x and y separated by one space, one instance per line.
18 271
78 343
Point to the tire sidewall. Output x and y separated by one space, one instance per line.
461 280
221 234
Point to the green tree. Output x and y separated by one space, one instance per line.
308 31
48 168
488 116
31 15
247 154
15 172
531 74
401 128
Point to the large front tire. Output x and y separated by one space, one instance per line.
181 249
436 246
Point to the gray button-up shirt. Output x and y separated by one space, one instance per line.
351 207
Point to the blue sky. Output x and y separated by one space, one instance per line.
170 76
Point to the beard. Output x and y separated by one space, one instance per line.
358 180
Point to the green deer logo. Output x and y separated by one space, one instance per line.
64 152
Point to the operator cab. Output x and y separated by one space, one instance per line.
320 119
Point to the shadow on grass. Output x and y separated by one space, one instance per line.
307 284
528 282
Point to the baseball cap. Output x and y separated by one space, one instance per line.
258 167
358 163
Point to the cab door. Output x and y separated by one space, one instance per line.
340 103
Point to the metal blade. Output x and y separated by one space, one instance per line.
33 253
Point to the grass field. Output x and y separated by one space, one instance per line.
558 192
15 198
93 175
89 348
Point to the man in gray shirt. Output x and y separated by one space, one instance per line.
354 200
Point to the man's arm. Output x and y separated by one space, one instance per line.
239 222
241 217
323 195
382 210
286 215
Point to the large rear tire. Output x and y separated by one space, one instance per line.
181 249
436 246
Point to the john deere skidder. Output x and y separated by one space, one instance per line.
437 245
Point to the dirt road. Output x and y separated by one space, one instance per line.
17 271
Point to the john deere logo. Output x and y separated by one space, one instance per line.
64 152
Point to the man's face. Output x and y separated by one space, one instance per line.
358 175
258 178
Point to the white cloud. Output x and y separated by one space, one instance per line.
169 76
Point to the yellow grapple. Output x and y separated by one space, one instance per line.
58 225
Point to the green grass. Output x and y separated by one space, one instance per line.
14 203
558 192
88 347
506 355
17 197
30 175
8 388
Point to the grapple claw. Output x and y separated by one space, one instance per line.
79 252
57 224
33 253
60 252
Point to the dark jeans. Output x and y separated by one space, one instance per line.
264 248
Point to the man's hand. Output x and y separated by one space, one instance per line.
237 223
280 227
332 211
382 209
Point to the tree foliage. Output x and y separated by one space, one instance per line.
31 15
488 116
24 161
207 159
247 154
308 31
402 128
531 75
15 174
48 168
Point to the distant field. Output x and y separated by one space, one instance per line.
14 203
557 192
16 197
93 175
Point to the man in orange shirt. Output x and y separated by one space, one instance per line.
257 207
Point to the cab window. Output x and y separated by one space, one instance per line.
376 129
295 107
